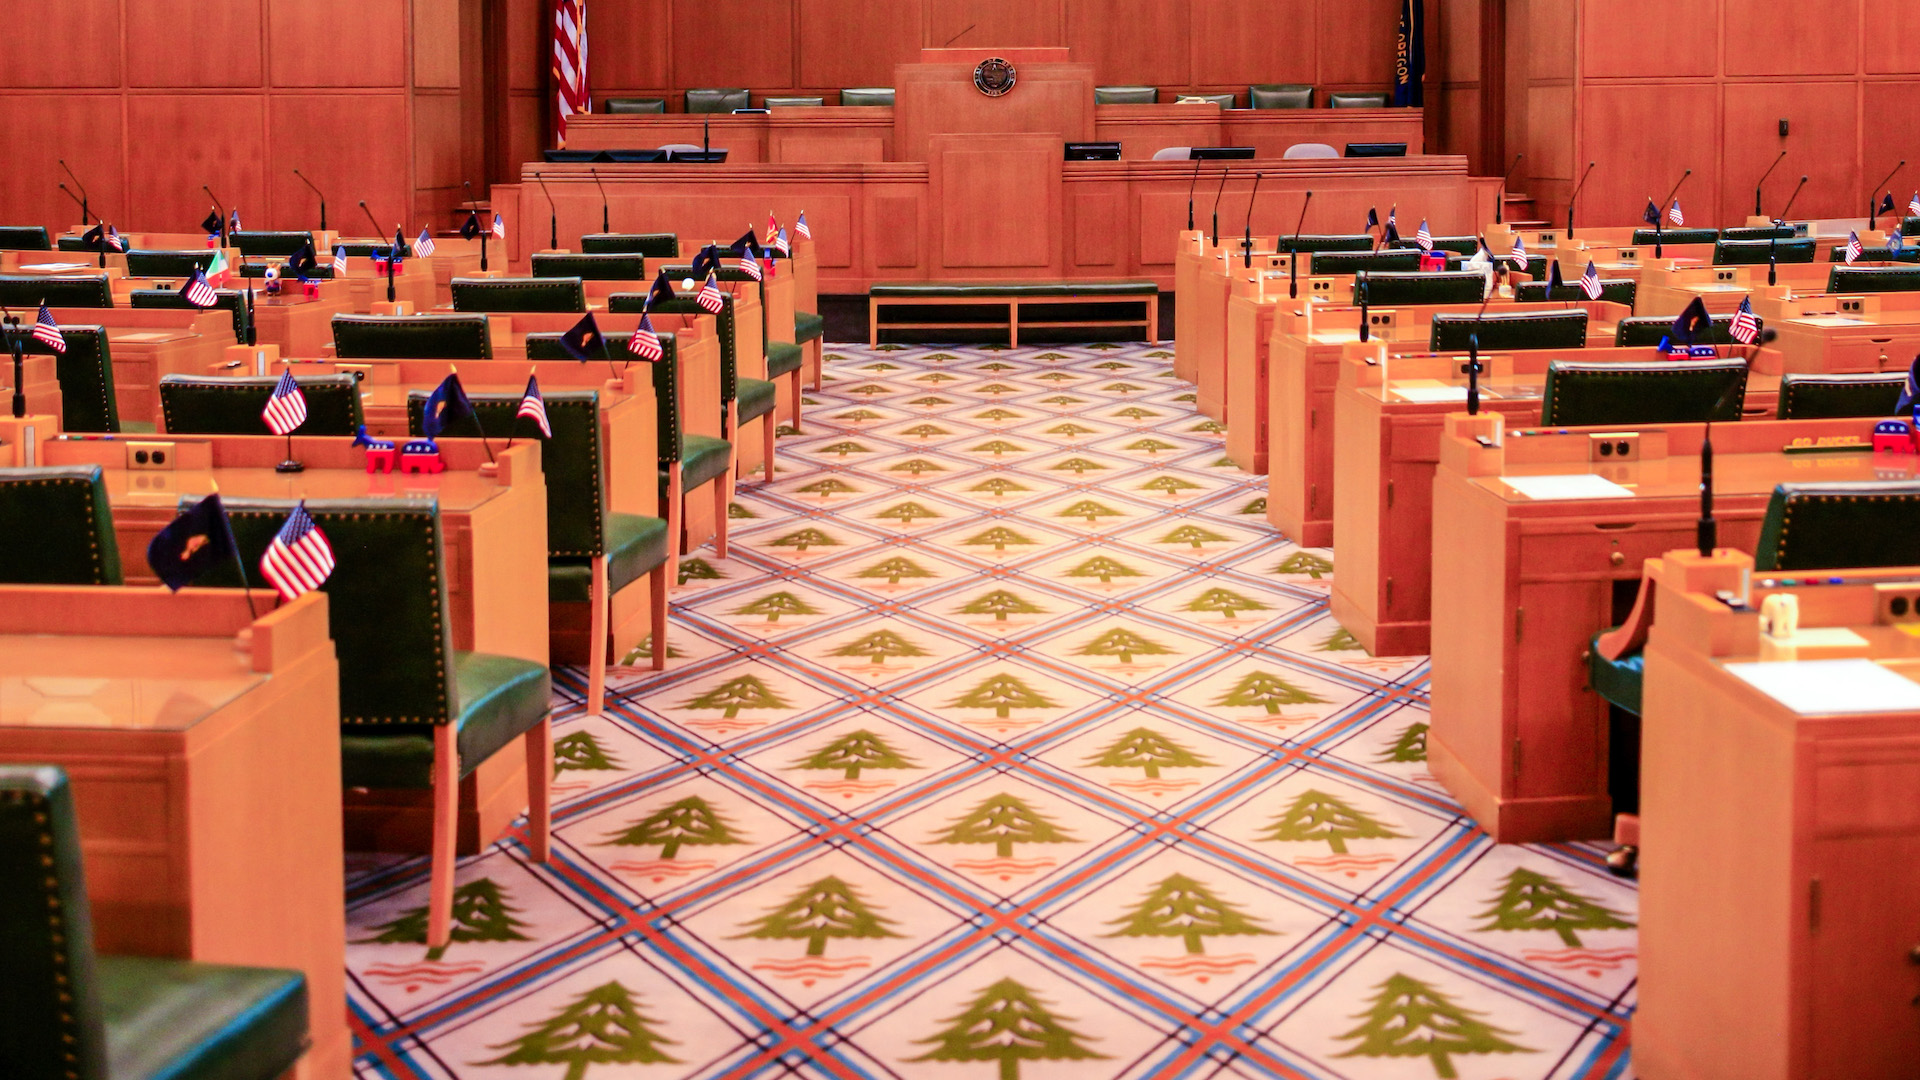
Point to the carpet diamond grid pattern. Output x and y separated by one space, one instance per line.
1010 742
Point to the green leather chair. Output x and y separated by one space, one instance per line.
688 461
1387 260
519 294
1225 101
1638 331
24 238
1318 244
168 264
1873 279
1618 291
270 245
1580 393
596 267
632 106
1386 289
412 337
30 291
1510 330
72 1013
868 95
221 405
414 712
259 270
234 300
1910 226
1757 232
361 249
1279 96
85 371
651 245
1536 266
745 400
1453 245
1820 397
1125 95
1906 254
1647 237
717 100
56 528
1356 101
792 102
784 358
1760 252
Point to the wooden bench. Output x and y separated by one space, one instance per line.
1012 296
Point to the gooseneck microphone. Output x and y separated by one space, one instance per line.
1293 251
1576 195
474 215
1782 219
1873 202
1195 183
316 191
1773 241
78 184
595 173
1473 350
393 256
1360 293
1216 203
1660 212
1246 244
219 209
1500 202
1757 184
553 215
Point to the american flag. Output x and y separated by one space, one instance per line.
1423 239
534 407
47 332
1674 215
569 64
340 260
780 241
233 221
1913 205
1853 247
1746 328
114 243
645 342
709 297
800 223
299 560
1895 242
423 247
749 266
287 408
499 228
198 292
1519 255
1590 282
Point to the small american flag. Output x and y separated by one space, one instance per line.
1853 248
1745 328
1590 282
1519 255
1895 242
287 407
800 224
1674 215
1424 238
645 342
499 228
785 245
709 297
423 247
340 260
299 560
114 243
233 221
198 292
749 266
534 407
1913 205
47 332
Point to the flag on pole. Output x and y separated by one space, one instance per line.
1410 55
785 245
198 292
287 407
1913 205
773 229
1590 282
800 230
1519 254
211 223
114 243
499 228
470 228
1853 248
1895 243
645 342
710 298
570 96
1651 215
1554 281
1910 393
1746 327
1423 239
747 250
448 403
47 332
661 292
584 335
340 261
191 544
299 560
1373 218
1392 234
218 268
423 247
233 221
1674 215
534 407
1886 204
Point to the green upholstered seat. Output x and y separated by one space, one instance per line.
1455 245
24 238
416 337
629 106
783 358
704 458
717 100
1356 101
757 397
1906 254
361 249
1636 331
596 267
1665 392
909 290
701 457
174 264
1465 287
867 95
73 1013
519 294
1318 243
1618 291
233 300
1647 237
220 405
1617 681
273 245
31 290
1280 96
1510 330
808 327
1815 397
650 245
793 101
1125 95
1873 279
1824 526
1761 252
1388 260
1757 232
85 371
635 545
56 527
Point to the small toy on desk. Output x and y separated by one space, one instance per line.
380 452
1893 437
421 456
272 276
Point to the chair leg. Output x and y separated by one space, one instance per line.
797 395
446 826
768 429
539 742
816 359
676 519
601 605
722 502
658 582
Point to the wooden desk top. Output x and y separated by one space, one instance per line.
150 683
457 492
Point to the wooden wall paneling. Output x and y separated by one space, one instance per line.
85 129
629 40
725 43
1644 136
893 225
1355 43
1097 221
70 43
847 43
352 146
1239 42
1549 148
214 139
437 159
1132 42
992 24
345 42
526 126
1824 145
1895 50
436 43
1645 38
1460 128
190 43
1055 98
1766 37
526 38
999 202
1890 112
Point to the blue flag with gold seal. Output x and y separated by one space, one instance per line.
1410 55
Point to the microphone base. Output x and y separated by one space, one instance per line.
289 466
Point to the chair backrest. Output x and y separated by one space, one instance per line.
233 300
415 337
259 270
729 352
1356 101
361 249
728 272
716 100
24 238
386 602
1225 101
1280 96
1452 245
1422 288
595 267
1757 232
571 461
85 371
1661 392
1320 243
618 106
1832 525
651 245
1757 252
1125 95
1873 279
1310 150
1907 254
271 244
223 405
1646 237
56 528
1352 262
1636 331
519 294
867 95
1173 153
1510 330
53 1025
1819 397
18 291
178 264
1618 291
1536 266
792 102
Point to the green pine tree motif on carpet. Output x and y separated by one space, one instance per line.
996 447
926 431
1209 427
1188 398
930 402
643 652
828 487
1071 431
1063 399
1316 815
1007 1023
906 513
998 414
603 1026
774 605
1265 690
1103 346
880 365
1002 693
1410 746
1111 365
1104 568
994 366
1534 901
745 692
1305 562
1222 463
879 645
853 752
1004 820
1183 908
1192 536
998 485
845 447
1135 412
1078 465
1409 1018
869 389
690 822
859 416
1223 602
1151 446
1169 485
806 538
698 569
1052 356
480 913
1257 506
1157 354
1123 643
579 751
1147 750
938 356
1057 376
1000 603
916 466
736 512
999 388
825 910
1341 640
788 429
1090 510
887 347
999 537
1124 388
936 377
894 570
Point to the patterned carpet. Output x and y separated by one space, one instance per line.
1010 743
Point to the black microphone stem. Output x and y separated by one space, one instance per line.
81 186
553 215
1873 203
1660 212
1757 210
1360 290
1473 356
1293 252
219 209
1791 199
1194 184
595 173
1576 195
1224 171
1707 535
1246 245
1500 201
316 191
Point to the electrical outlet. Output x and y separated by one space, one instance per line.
1726 275
1614 446
1383 320
1546 239
1320 286
1896 602
150 456
1629 255
1851 305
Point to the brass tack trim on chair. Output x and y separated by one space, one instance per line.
43 819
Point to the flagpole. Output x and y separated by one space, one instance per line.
233 545
18 348
476 421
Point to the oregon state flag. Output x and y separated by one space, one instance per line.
1410 54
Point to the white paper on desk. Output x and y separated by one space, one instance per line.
1572 486
1814 687
1427 394
55 268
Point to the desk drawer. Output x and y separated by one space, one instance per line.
1604 549
1876 352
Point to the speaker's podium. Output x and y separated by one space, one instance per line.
994 160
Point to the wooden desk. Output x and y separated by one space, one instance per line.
39 379
206 774
1780 867
1668 290
1835 344
1141 130
811 134
148 343
1521 585
1212 289
1192 252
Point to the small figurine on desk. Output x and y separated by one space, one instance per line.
380 452
419 456
272 277
1901 435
